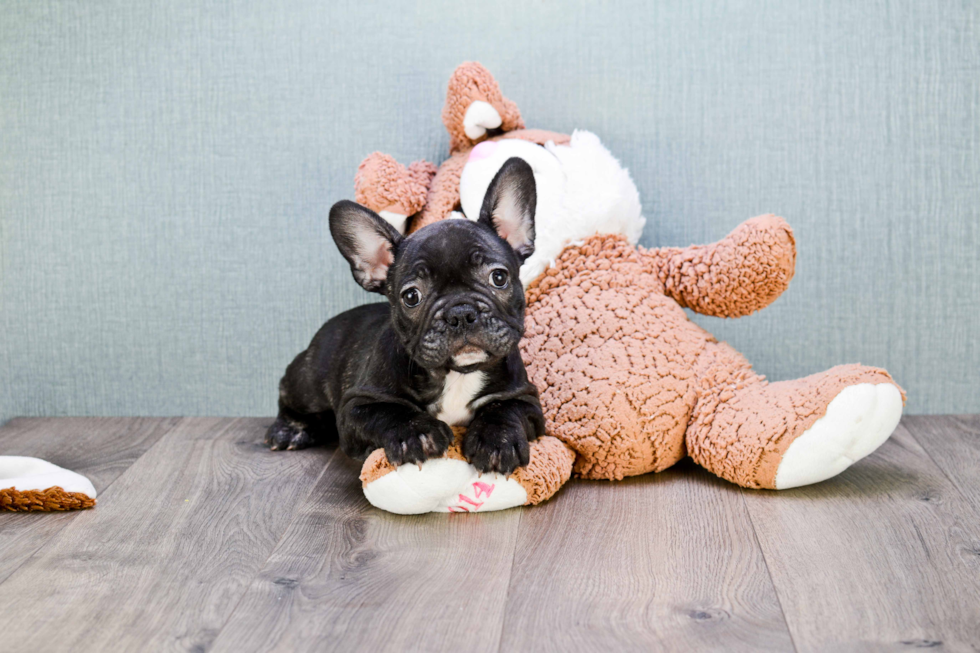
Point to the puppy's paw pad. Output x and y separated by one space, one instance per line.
495 448
423 437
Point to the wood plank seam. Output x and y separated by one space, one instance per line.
510 580
765 560
33 553
193 521
102 493
348 576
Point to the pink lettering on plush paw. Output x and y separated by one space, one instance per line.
470 501
483 489
483 150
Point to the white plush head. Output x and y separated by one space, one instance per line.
582 191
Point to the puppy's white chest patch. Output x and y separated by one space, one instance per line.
453 405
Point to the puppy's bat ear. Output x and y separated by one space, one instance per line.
508 207
366 240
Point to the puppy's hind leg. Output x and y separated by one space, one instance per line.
292 431
305 415
304 419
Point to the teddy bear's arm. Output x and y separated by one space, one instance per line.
738 275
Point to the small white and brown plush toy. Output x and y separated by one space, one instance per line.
32 484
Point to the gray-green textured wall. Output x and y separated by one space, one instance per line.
166 170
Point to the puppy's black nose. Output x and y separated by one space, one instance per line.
461 316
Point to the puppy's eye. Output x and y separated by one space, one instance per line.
498 278
411 297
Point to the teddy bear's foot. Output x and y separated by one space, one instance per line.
791 433
858 421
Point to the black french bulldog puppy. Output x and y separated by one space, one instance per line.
442 351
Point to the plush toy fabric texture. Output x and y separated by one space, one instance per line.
31 484
395 190
628 383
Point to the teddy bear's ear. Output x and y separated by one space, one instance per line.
474 105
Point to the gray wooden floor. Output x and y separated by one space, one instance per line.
203 540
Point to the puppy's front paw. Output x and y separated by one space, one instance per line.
423 437
286 435
498 442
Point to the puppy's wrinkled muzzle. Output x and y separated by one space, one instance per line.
465 337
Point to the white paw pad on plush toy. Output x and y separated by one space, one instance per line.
858 420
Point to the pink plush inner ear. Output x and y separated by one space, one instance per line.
483 150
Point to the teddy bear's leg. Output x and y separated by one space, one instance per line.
791 433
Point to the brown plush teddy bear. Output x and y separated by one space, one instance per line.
628 383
